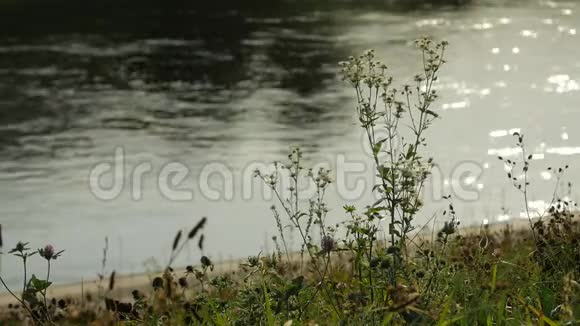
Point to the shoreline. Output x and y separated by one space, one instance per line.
125 284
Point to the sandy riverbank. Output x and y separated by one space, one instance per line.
124 285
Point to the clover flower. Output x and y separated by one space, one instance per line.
49 253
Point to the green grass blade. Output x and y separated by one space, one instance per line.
268 306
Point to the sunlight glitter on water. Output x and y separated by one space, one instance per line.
246 93
563 83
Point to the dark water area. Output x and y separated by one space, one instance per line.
238 82
216 54
199 52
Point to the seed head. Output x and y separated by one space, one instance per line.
176 241
197 228
112 281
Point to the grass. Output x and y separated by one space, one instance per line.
344 274
488 277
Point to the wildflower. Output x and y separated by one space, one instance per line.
20 247
137 295
327 243
253 261
206 262
449 227
62 304
49 253
157 283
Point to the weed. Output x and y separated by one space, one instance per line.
345 274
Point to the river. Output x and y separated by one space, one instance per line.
232 87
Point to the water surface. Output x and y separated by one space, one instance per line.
238 85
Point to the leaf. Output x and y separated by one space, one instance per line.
38 284
443 314
388 318
269 313
410 152
220 320
298 281
537 312
30 296
377 147
374 210
295 286
493 278
393 230
432 113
